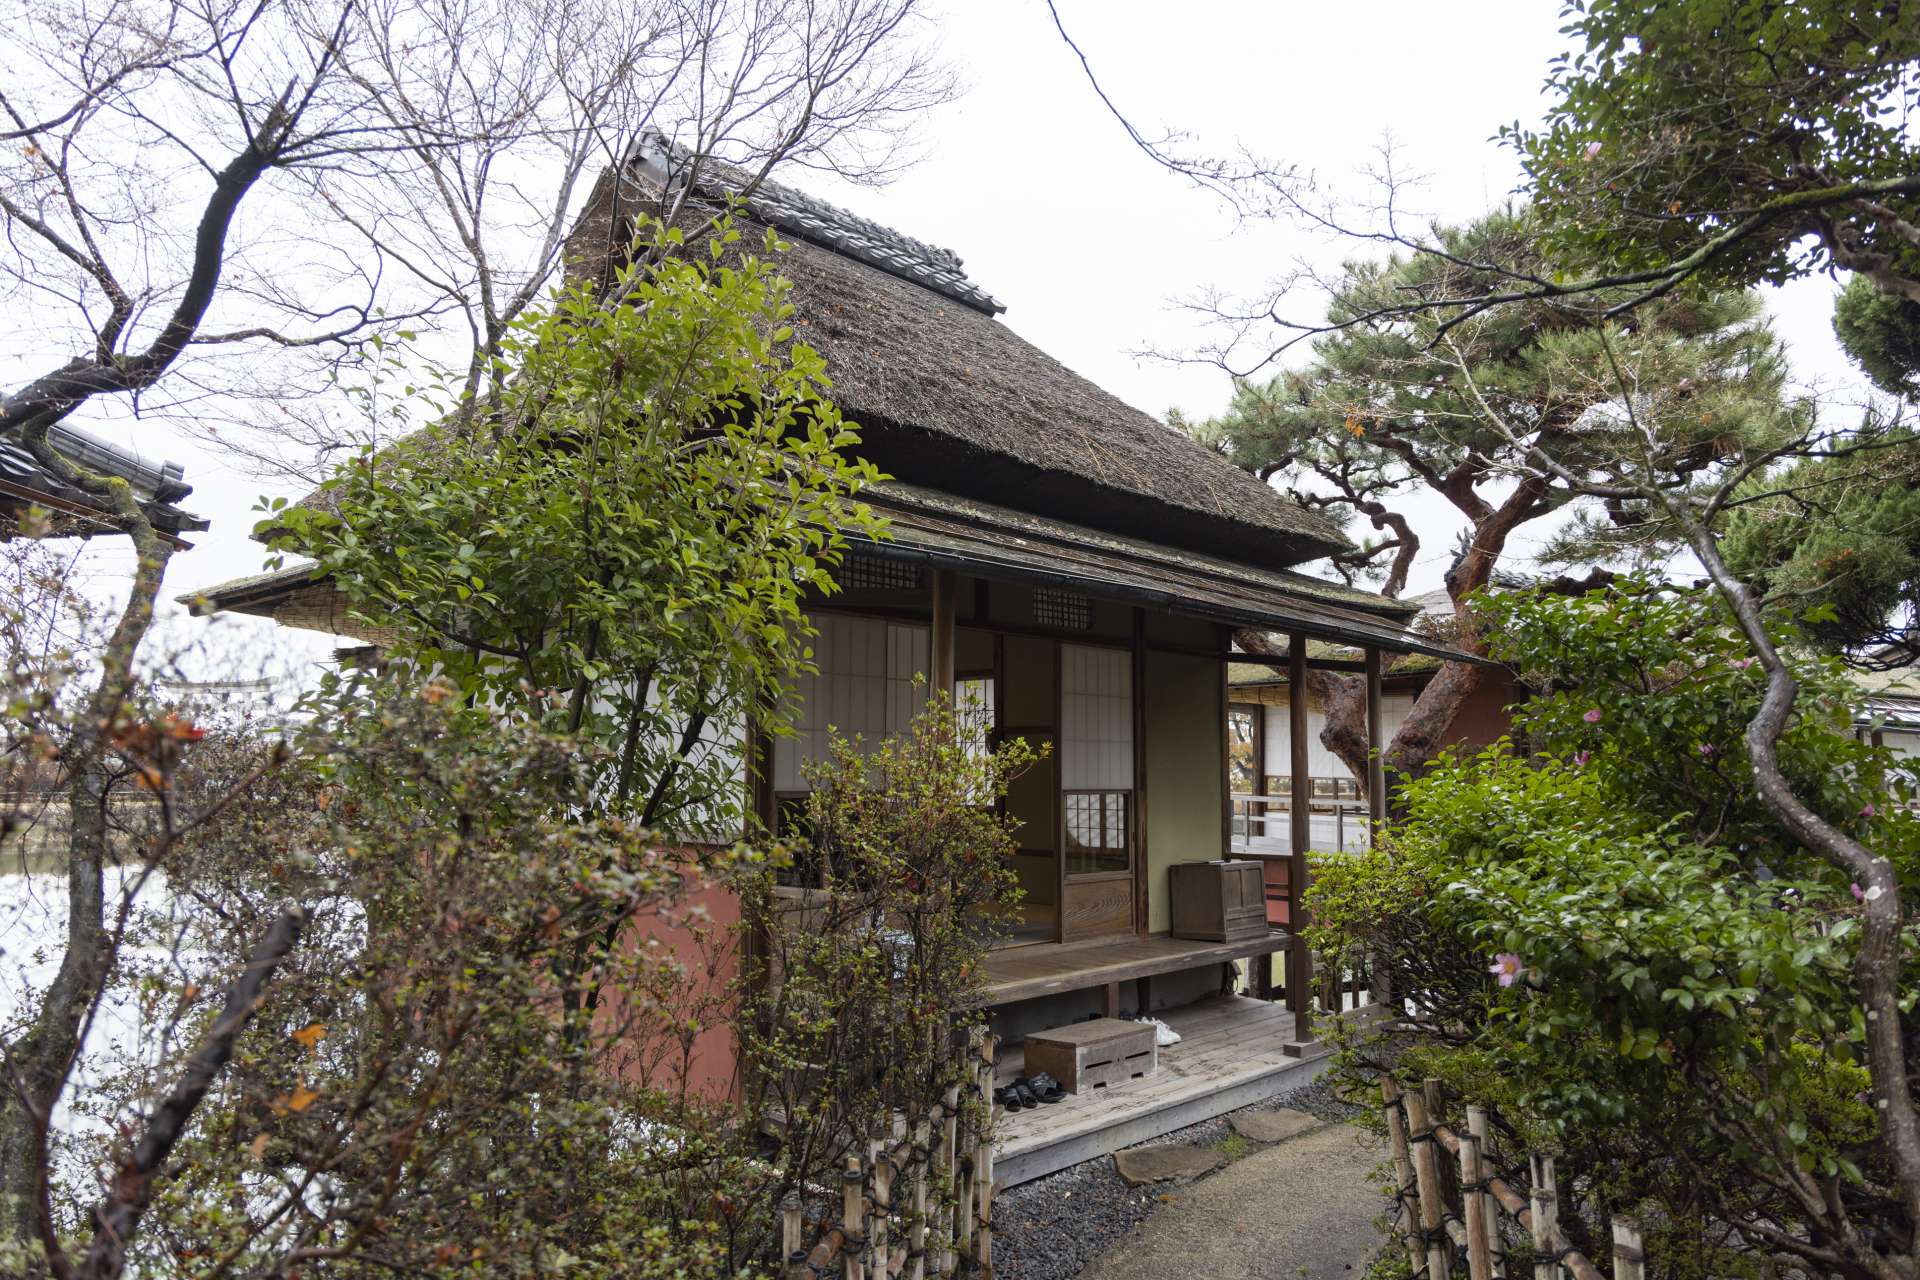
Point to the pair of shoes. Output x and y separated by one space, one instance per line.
1024 1093
1047 1089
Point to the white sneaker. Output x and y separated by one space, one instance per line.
1163 1035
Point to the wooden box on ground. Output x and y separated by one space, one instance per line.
1093 1055
1217 901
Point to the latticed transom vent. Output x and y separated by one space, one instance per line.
860 572
1065 610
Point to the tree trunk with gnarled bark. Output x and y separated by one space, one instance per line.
1428 728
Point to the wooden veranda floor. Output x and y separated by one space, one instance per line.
1025 973
1230 1056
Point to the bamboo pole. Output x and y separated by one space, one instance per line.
983 1164
1472 1176
854 1217
1496 1247
1403 1174
963 1202
791 1247
1515 1203
945 1170
1426 1176
917 1234
1629 1263
882 1210
1546 1214
1449 1171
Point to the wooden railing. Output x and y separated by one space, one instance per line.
1450 1199
1258 818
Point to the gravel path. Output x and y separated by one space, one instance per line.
1052 1227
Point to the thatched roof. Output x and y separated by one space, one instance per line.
947 396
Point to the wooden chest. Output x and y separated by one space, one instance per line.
1217 901
1093 1055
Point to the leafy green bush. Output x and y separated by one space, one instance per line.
1609 941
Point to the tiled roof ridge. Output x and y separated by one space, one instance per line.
827 225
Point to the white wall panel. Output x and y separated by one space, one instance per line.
1096 718
864 687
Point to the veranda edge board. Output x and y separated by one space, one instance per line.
1027 973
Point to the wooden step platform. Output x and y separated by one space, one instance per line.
1230 1056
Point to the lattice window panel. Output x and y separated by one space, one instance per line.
1064 610
876 573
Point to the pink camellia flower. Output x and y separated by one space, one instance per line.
1593 149
1858 893
1868 811
1507 968
1706 748
1581 757
1592 716
1741 664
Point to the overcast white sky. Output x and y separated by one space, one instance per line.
1090 245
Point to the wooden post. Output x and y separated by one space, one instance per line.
1496 1247
1473 1175
1403 1174
917 1235
853 1216
941 645
1629 1263
1544 1219
791 1245
1426 1176
1300 830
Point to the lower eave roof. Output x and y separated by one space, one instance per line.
985 540
997 542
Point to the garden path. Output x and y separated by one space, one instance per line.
1302 1209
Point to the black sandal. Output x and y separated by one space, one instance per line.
1024 1088
1007 1098
1047 1089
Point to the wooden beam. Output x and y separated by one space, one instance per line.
1376 742
1300 831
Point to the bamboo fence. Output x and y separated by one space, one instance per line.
1451 1200
916 1202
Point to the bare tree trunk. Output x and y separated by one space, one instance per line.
117 1217
38 1065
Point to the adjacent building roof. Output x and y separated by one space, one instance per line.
25 483
947 396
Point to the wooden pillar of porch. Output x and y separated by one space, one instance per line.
1379 988
1376 739
1300 839
941 646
